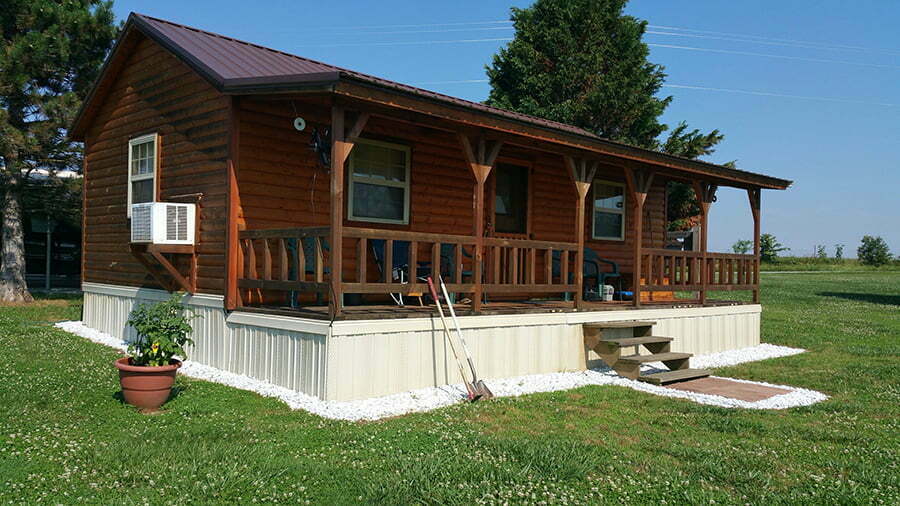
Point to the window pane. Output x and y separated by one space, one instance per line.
379 162
142 191
607 225
376 201
511 203
608 196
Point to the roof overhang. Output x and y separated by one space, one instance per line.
399 96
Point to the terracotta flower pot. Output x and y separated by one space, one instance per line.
146 387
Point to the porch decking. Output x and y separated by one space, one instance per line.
413 310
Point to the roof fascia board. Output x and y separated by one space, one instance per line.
583 142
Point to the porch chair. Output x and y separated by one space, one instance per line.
591 270
399 264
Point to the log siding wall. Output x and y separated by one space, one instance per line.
155 92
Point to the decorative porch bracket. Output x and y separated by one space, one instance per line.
706 195
481 155
582 172
638 182
342 142
755 196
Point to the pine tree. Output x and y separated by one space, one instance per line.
51 53
583 62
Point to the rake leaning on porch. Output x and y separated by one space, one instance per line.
425 183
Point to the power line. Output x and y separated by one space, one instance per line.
778 56
754 41
707 88
407 43
782 95
774 39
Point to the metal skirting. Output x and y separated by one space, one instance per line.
291 359
359 359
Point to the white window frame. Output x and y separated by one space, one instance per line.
154 138
595 209
353 178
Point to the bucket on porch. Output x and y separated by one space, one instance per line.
606 293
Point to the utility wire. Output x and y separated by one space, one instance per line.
706 88
778 56
804 43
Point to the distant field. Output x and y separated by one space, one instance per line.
66 437
812 264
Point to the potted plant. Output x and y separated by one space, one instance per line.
147 375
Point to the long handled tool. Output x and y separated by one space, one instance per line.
480 387
471 393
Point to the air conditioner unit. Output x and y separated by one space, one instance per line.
163 223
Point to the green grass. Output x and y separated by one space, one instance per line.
831 265
66 437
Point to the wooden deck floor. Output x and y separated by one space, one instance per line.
414 310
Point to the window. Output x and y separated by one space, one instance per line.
379 182
609 211
511 199
142 156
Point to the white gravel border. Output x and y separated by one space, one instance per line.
427 399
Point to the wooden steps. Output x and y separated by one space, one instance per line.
607 339
655 357
662 378
634 341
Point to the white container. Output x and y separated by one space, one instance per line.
607 293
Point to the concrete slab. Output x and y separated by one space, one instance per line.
725 387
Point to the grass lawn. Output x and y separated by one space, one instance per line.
66 437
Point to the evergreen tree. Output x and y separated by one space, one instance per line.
583 62
51 53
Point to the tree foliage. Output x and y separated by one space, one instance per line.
583 62
51 53
742 247
769 248
873 251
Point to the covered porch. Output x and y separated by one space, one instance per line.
290 270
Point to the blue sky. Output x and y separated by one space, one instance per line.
812 87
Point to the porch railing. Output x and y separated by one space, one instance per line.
297 260
668 270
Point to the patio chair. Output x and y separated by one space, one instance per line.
399 267
591 270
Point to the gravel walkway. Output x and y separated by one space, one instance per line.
427 399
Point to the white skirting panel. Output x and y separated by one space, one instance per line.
359 359
380 357
293 359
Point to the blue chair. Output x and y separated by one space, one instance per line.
591 270
309 253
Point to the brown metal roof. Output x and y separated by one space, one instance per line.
239 67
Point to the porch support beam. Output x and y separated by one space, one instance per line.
342 142
582 172
706 194
755 196
481 154
233 263
638 181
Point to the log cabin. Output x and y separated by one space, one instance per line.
302 206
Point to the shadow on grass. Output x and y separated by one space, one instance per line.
176 391
872 298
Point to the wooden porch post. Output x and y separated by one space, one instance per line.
705 193
638 182
481 162
341 144
232 244
755 195
582 173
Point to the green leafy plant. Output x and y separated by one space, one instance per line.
162 332
742 247
769 248
873 251
839 253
